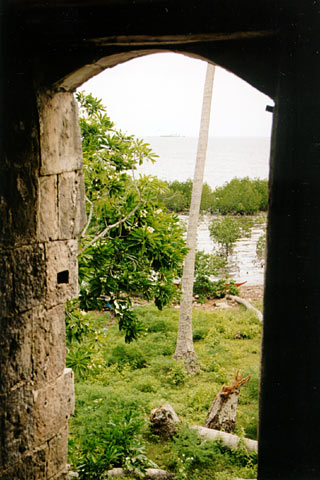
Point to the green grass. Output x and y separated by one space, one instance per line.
143 375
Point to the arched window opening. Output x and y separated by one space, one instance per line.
158 98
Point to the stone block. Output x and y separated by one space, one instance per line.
59 133
18 204
32 467
58 451
48 345
81 218
16 420
77 77
48 208
29 276
15 350
53 405
6 284
72 216
62 272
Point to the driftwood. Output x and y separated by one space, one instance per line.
228 439
164 421
222 414
247 304
150 474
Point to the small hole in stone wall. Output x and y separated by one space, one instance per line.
63 277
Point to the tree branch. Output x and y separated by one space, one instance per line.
246 304
89 219
119 222
228 439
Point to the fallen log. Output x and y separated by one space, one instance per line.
246 304
228 439
150 474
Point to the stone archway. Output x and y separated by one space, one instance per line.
51 49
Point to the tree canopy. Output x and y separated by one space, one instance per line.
131 244
241 196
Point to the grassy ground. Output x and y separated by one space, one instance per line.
113 378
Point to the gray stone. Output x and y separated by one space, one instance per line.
61 258
18 204
59 134
48 344
31 467
58 450
29 276
72 215
53 405
15 350
48 208
6 284
16 420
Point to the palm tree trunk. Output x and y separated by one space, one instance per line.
184 348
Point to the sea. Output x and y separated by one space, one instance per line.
227 158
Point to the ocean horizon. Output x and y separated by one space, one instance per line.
227 157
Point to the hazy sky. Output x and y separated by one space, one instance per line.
162 94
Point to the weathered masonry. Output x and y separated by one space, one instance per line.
47 50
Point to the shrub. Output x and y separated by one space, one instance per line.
208 264
127 354
192 455
157 325
172 371
147 384
227 230
188 445
202 286
200 333
232 288
112 442
239 456
206 198
78 324
206 288
178 196
176 374
79 359
241 197
261 248
218 288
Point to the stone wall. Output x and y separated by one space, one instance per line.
42 209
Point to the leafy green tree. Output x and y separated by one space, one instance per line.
241 197
208 264
130 245
261 248
206 198
228 229
261 187
177 196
